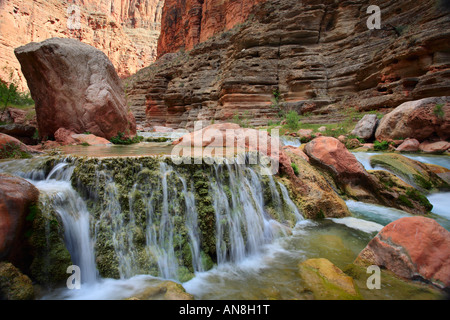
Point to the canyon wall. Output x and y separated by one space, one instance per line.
316 57
126 31
189 22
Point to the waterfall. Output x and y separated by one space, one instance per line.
126 217
56 192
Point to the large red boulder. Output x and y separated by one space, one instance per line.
412 247
75 87
420 119
331 154
17 197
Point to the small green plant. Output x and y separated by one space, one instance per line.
13 151
276 99
380 145
85 144
295 168
10 95
293 120
438 111
120 139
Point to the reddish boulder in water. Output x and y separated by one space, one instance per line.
17 196
412 247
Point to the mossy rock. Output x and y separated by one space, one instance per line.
326 281
313 193
165 290
406 197
13 284
414 172
50 255
391 285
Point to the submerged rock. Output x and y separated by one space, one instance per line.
414 172
75 87
412 248
326 281
166 290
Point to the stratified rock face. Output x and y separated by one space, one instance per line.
412 247
126 31
75 87
189 22
319 56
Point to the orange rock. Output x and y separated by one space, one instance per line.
333 154
412 247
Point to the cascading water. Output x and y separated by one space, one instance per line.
154 219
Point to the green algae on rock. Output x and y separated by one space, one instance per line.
414 172
13 284
326 281
173 221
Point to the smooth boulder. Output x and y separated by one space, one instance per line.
412 248
420 119
365 128
76 87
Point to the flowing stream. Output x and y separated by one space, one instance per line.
256 256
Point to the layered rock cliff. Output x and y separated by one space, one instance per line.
189 22
126 31
312 56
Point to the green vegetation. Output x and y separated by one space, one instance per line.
293 120
438 111
380 145
120 139
13 151
295 168
10 96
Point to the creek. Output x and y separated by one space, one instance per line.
223 231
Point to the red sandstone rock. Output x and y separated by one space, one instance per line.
90 139
16 197
419 119
64 136
230 138
75 87
412 247
434 147
333 154
8 142
409 145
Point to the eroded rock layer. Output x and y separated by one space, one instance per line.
314 57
